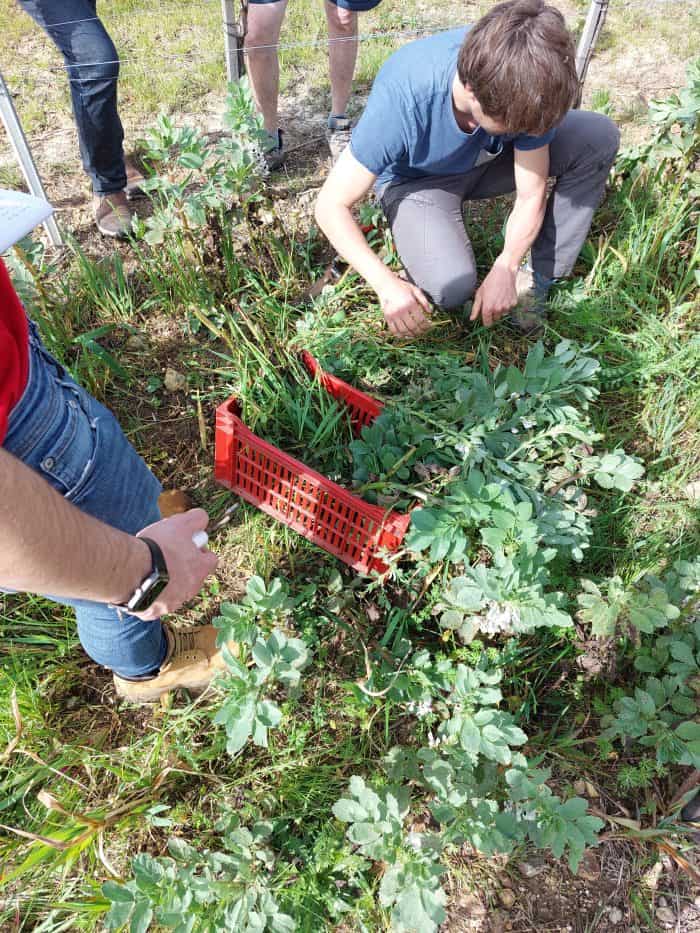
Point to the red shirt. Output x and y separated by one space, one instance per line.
14 349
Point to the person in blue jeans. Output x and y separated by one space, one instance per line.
464 115
79 522
264 24
92 65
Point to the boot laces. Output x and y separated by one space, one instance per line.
184 643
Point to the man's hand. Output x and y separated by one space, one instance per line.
188 566
496 295
406 309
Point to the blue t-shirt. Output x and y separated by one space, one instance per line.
408 128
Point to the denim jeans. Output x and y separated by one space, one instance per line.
60 431
93 68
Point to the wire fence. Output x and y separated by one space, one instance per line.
404 33
198 57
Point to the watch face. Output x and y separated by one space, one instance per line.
150 591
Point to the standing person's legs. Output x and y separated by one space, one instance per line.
264 25
342 54
93 68
426 221
76 444
341 16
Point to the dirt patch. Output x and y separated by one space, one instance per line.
615 891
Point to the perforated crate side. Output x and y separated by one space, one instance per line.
317 508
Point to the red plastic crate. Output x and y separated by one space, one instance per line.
322 511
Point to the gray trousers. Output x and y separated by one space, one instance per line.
426 217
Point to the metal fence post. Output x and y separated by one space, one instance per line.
234 36
230 44
21 149
594 23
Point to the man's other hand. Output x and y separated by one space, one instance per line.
496 295
188 566
406 309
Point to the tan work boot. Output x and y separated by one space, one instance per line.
113 215
191 663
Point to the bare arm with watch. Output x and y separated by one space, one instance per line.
50 547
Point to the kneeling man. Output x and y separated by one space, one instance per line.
466 115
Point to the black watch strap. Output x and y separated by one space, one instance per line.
159 565
153 584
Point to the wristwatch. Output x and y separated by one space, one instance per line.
152 585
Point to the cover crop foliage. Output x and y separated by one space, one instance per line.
368 732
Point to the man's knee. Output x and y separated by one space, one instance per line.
341 20
605 136
95 56
584 131
452 292
258 33
264 23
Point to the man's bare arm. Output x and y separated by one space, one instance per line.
404 305
50 546
497 295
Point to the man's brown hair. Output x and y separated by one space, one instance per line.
519 61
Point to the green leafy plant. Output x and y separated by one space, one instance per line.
263 662
661 712
197 890
410 885
193 177
621 609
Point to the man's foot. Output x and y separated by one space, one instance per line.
113 215
273 150
528 316
191 663
338 133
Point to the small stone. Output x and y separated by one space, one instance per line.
666 916
579 788
470 903
507 898
532 868
136 342
662 902
692 491
589 867
650 878
615 915
174 381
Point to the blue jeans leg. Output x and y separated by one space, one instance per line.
60 431
93 68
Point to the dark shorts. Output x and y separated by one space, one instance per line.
357 6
